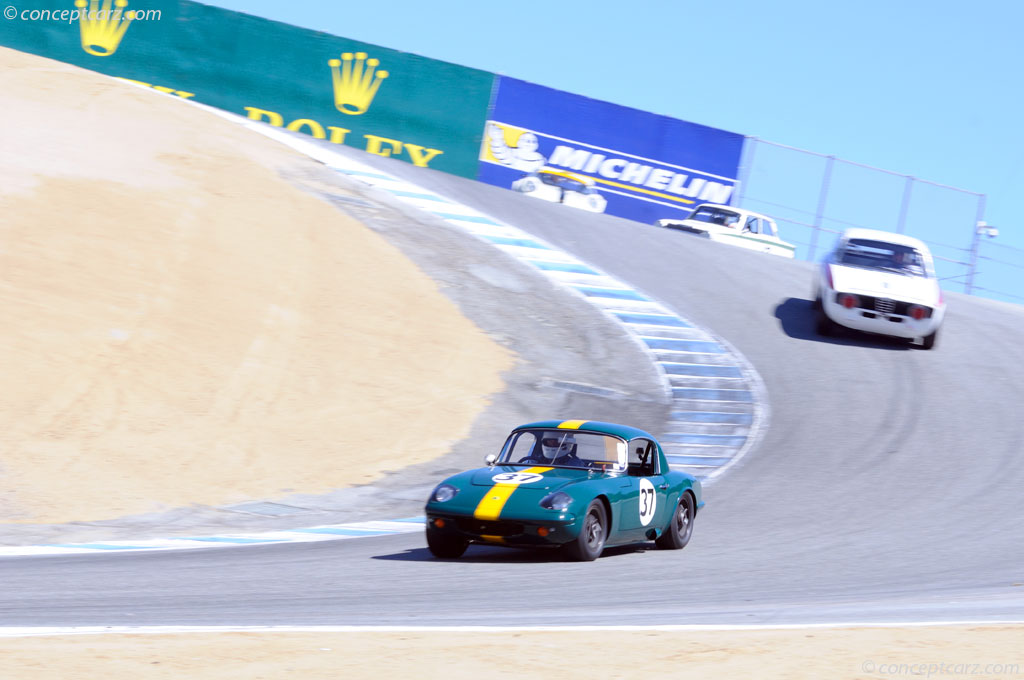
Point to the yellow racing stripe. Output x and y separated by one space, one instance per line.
494 500
571 424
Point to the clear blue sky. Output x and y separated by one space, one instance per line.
933 89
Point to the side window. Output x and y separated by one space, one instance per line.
768 228
751 225
520 447
652 457
643 458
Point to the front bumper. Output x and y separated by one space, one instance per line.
518 532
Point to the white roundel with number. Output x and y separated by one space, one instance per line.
517 478
648 501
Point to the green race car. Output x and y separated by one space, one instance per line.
577 484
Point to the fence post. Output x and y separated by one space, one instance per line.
975 238
822 197
905 205
746 164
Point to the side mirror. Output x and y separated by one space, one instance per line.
489 460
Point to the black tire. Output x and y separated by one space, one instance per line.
679 530
824 326
445 546
589 544
929 340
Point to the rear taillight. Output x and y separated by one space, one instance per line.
917 312
828 273
847 300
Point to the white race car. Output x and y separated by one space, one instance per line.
559 186
879 282
734 226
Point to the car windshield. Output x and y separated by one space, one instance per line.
873 254
713 215
567 183
564 448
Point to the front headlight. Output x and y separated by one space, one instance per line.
558 500
443 493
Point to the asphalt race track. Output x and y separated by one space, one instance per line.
887 486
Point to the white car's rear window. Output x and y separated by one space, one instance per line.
883 255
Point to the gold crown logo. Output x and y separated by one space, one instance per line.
102 27
355 82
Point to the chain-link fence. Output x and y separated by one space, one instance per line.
815 197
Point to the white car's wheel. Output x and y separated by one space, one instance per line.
823 325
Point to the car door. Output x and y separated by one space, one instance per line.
770 236
644 507
749 234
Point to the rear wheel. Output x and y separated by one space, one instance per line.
823 325
929 340
445 545
589 544
681 527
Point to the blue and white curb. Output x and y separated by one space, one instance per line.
331 532
718 403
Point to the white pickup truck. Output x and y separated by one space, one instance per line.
734 226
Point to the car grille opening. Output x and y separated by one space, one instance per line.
885 306
489 528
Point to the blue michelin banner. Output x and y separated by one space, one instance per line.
601 157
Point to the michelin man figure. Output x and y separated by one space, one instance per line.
524 156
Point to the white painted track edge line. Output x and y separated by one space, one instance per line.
40 631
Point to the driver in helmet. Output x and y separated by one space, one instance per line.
556 448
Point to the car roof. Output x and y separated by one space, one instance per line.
886 236
597 426
742 211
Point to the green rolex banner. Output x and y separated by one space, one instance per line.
427 112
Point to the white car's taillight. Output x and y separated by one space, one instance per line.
847 300
917 312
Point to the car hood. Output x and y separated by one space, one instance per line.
536 478
696 224
880 283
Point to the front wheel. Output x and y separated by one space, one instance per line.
589 544
680 529
445 545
